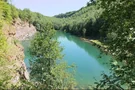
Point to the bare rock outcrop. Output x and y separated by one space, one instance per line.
24 30
18 31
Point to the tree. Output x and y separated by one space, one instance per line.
44 69
14 11
84 31
25 15
119 16
5 11
88 3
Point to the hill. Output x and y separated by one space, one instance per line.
83 22
68 14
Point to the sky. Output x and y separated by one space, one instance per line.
50 7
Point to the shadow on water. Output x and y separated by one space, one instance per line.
93 51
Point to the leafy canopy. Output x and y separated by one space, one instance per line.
46 70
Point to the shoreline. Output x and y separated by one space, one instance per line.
97 43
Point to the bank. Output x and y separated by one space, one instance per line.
97 43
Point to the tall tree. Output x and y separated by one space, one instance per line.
44 67
120 18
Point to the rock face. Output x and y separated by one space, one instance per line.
24 30
18 31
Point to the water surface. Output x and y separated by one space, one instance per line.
90 61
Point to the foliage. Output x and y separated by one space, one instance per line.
5 71
113 21
68 14
119 16
3 16
84 31
3 43
25 15
87 17
44 69
5 12
54 73
74 22
37 19
14 11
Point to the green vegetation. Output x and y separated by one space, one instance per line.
37 19
86 18
44 69
48 70
120 27
112 21
86 21
66 15
5 17
14 11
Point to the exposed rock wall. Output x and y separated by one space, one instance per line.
14 33
24 30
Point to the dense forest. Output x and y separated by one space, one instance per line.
85 22
110 21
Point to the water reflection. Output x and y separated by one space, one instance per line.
93 51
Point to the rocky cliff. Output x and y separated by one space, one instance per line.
24 30
14 33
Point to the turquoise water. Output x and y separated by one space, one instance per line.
89 60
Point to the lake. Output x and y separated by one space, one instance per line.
89 60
